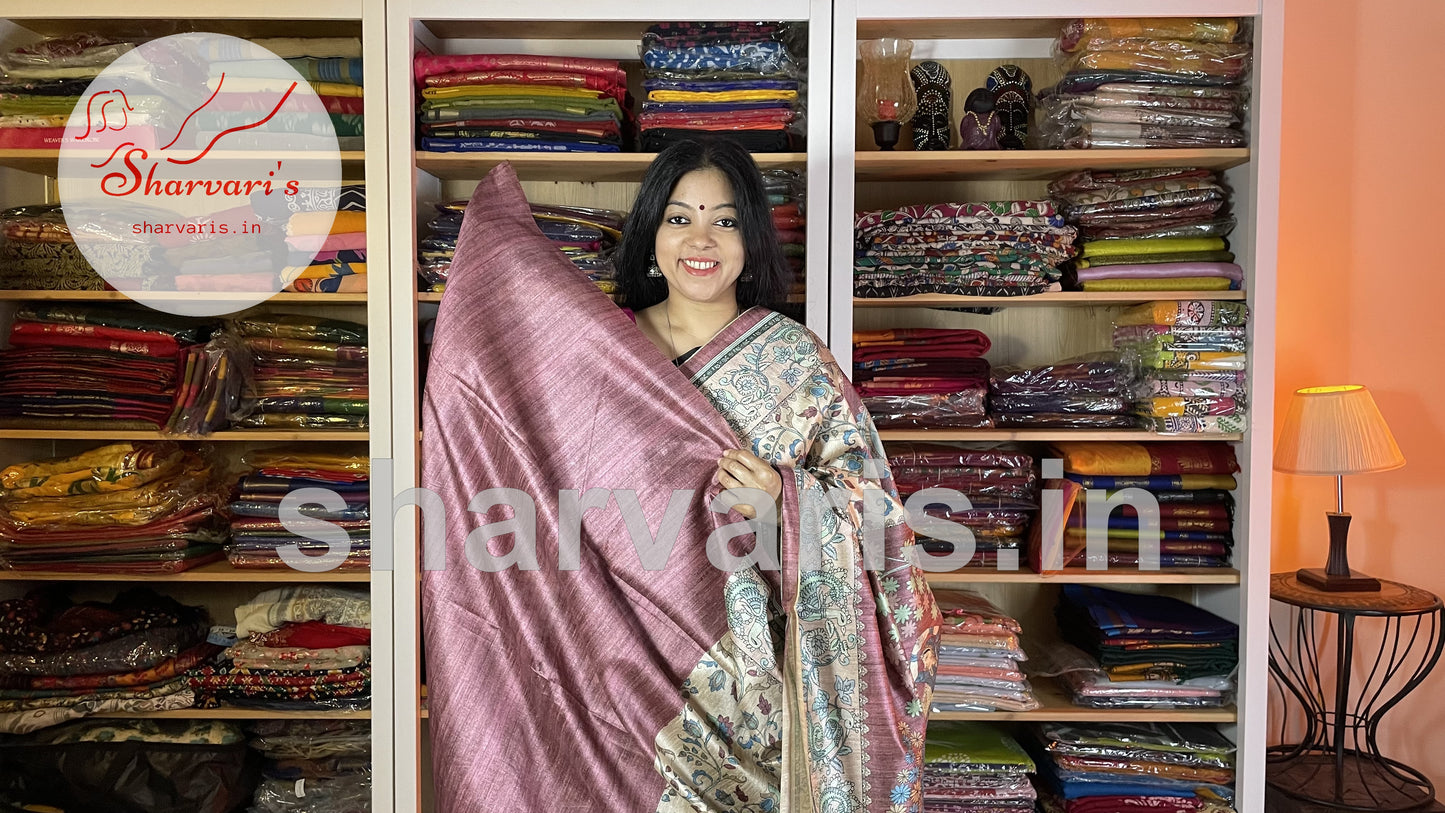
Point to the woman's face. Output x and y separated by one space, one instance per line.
699 243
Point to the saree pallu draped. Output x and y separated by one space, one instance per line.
614 687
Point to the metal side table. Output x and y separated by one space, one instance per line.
1338 765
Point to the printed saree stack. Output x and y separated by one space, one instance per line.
1108 767
1192 364
979 657
786 188
1190 481
520 103
307 373
999 248
1085 393
38 252
60 660
325 237
126 508
740 81
1001 486
41 83
295 648
1150 230
258 534
1168 83
922 377
750 683
975 768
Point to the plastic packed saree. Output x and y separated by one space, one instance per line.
611 686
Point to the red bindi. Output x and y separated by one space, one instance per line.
701 207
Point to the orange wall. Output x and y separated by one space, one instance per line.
1362 294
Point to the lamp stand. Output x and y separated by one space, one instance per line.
885 134
1337 577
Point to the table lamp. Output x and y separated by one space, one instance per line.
886 97
1336 431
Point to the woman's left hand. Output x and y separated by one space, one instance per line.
740 468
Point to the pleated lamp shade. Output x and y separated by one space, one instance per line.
1335 430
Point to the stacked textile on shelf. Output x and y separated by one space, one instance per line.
125 508
325 231
1139 637
116 368
246 81
519 103
256 528
1001 486
975 768
1166 83
1150 230
308 373
979 657
1107 767
999 248
1087 393
1087 684
741 81
587 236
786 191
60 661
313 766
1192 364
298 647
922 377
41 83
38 252
1190 480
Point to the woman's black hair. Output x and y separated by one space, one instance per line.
766 274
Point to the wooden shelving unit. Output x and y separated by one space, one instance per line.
623 167
1056 299
1056 707
1029 165
1179 575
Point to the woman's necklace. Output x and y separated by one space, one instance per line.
672 346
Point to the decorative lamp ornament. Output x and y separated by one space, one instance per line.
885 93
1336 431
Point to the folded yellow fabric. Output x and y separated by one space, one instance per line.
1157 284
722 96
346 222
454 91
116 457
1164 245
321 271
1200 29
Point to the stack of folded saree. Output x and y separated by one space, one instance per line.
520 103
785 188
312 766
922 377
740 81
1190 480
256 528
1087 684
999 248
1108 767
246 81
1148 83
60 661
41 83
587 236
1085 393
97 366
1150 230
298 647
979 657
1192 364
1001 486
1137 636
325 230
133 507
975 768
38 252
308 373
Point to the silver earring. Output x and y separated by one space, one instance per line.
746 276
652 269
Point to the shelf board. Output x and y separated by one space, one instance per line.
117 296
1054 299
46 162
1175 575
626 167
1055 706
970 435
213 572
140 434
1028 165
158 18
230 713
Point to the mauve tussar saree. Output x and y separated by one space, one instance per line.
613 687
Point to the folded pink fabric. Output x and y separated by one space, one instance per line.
1162 271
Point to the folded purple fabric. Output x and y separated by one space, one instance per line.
1162 270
